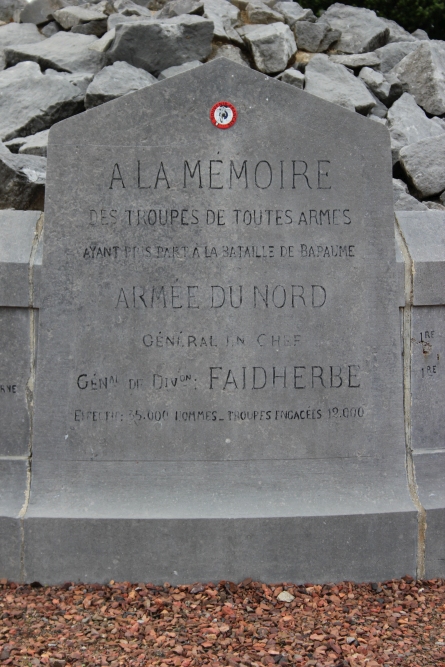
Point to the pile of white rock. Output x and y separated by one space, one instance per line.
60 57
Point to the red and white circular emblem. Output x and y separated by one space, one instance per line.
223 115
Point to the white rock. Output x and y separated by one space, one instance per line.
272 47
70 16
356 61
115 81
229 51
31 101
173 71
36 144
420 34
409 124
314 37
22 181
361 29
403 201
64 51
178 7
397 33
104 43
422 72
224 16
424 164
293 77
17 33
376 83
159 44
391 54
285 596
335 83
293 12
259 12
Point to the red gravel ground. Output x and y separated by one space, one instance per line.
394 623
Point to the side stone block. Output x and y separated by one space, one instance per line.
431 485
13 484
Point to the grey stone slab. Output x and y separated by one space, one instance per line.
13 487
314 37
31 101
361 29
231 437
272 47
392 53
409 124
296 549
424 233
423 74
15 365
17 230
157 45
424 164
428 378
430 469
64 51
179 69
335 83
114 81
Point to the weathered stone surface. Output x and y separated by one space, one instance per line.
232 482
224 16
434 205
178 7
420 34
259 12
293 12
17 33
403 201
380 110
314 37
36 144
272 47
173 71
97 28
115 19
73 15
8 9
50 29
114 81
104 43
333 82
40 11
64 51
129 8
229 51
356 61
409 124
422 72
22 181
397 33
361 29
157 45
31 101
424 163
292 76
81 80
376 83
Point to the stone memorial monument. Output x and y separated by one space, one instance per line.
219 373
